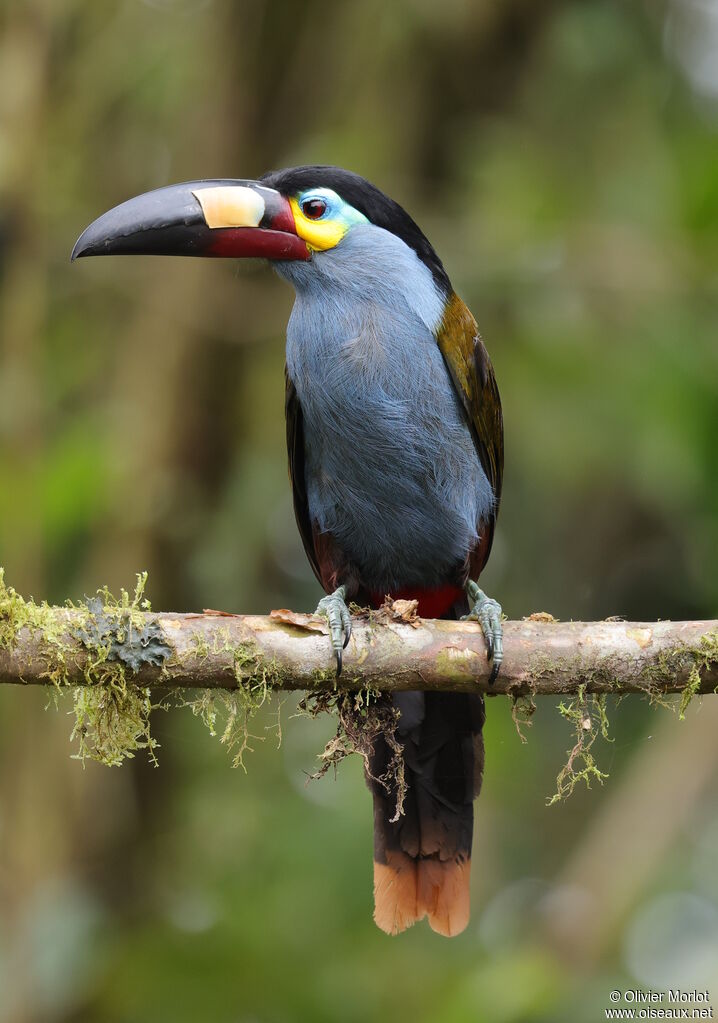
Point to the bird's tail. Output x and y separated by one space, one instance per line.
422 858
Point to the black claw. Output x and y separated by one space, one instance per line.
338 655
494 673
347 635
489 648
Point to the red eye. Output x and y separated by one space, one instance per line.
313 209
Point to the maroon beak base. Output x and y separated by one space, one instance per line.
170 221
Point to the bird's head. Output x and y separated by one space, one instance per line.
309 221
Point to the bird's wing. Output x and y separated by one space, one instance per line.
295 450
471 371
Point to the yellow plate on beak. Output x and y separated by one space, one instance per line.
230 206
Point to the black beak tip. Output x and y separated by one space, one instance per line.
83 247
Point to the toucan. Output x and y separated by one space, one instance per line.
395 442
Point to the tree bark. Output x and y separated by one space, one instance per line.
291 651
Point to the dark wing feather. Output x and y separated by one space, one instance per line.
295 450
470 367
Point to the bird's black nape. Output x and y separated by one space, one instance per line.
377 207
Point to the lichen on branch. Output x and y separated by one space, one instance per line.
588 716
363 718
113 637
113 655
112 713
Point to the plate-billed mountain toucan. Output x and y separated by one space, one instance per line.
395 442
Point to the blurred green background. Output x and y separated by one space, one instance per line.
563 158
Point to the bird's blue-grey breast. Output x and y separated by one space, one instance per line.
390 465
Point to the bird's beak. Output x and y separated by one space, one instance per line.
198 218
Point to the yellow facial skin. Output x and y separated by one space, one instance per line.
328 230
318 234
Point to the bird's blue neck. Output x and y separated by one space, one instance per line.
369 269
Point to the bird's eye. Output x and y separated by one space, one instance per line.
314 209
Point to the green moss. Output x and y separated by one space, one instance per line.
697 658
200 647
112 714
703 657
229 713
523 708
17 614
363 718
456 665
121 631
589 719
588 713
112 721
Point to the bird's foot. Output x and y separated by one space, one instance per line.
487 612
333 607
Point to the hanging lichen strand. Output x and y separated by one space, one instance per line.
114 655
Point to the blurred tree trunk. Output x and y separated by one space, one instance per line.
36 790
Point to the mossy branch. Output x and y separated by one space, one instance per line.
389 650
114 652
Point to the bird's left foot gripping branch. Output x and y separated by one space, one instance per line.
395 440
